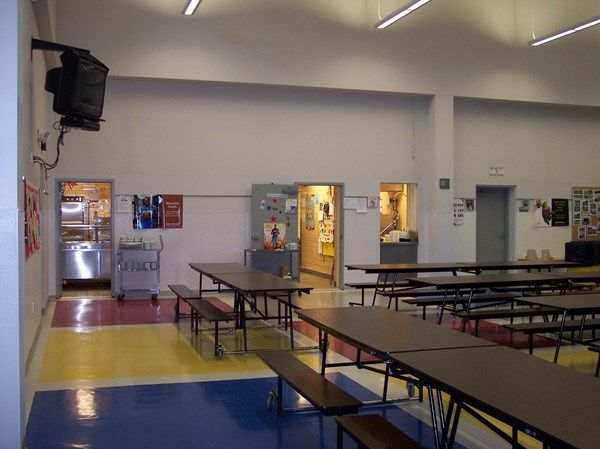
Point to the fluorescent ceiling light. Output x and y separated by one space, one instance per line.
402 12
562 33
191 6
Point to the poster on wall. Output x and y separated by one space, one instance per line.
560 212
585 213
459 211
32 219
309 218
172 211
543 213
274 236
146 211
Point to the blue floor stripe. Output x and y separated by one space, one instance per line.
200 415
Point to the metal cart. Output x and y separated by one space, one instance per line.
139 268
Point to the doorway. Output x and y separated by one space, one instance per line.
398 232
494 223
84 237
319 234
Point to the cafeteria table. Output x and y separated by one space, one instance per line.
556 405
520 265
567 305
211 269
456 283
246 284
379 332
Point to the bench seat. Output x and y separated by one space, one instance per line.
320 392
201 308
182 292
490 314
373 432
540 327
478 298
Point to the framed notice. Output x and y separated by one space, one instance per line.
585 223
172 206
560 212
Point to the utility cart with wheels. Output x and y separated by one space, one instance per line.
139 268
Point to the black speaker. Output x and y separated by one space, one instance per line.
584 252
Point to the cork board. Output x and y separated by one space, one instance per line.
586 211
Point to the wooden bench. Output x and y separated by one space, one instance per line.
596 348
362 286
542 327
373 432
320 392
490 314
204 309
184 293
478 298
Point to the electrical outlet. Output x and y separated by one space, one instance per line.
31 157
33 306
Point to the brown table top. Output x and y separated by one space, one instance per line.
259 281
381 330
217 268
411 267
488 280
576 303
522 264
582 276
558 402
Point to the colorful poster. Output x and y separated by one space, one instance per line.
543 213
274 236
310 212
172 211
146 209
32 219
291 206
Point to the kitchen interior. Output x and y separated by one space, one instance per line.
85 237
398 233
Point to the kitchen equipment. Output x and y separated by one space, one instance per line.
138 265
86 260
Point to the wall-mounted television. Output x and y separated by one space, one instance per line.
78 87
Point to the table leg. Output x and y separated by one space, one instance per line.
560 334
441 314
200 285
291 312
324 351
242 308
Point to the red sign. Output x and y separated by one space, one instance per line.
172 211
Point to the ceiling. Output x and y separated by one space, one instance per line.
512 21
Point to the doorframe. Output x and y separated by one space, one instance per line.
511 199
57 228
339 228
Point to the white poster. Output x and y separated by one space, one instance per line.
459 211
543 213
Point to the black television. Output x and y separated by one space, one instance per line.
78 87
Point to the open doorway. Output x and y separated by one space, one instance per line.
398 231
84 238
319 236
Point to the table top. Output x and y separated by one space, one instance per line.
488 280
216 268
379 330
259 281
411 267
522 264
517 388
580 303
582 276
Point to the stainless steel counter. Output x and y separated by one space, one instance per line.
398 252
86 260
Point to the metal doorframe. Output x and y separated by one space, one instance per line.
511 201
339 211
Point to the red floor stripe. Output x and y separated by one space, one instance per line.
88 312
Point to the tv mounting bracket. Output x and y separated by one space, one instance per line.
38 44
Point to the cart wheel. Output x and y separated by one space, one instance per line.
154 297
220 351
411 389
120 297
271 398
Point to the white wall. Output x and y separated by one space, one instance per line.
478 48
545 150
218 139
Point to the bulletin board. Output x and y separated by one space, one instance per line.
586 213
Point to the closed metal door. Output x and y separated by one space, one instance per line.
492 224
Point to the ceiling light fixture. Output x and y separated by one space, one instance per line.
402 12
562 33
191 6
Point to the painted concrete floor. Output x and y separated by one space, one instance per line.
110 374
